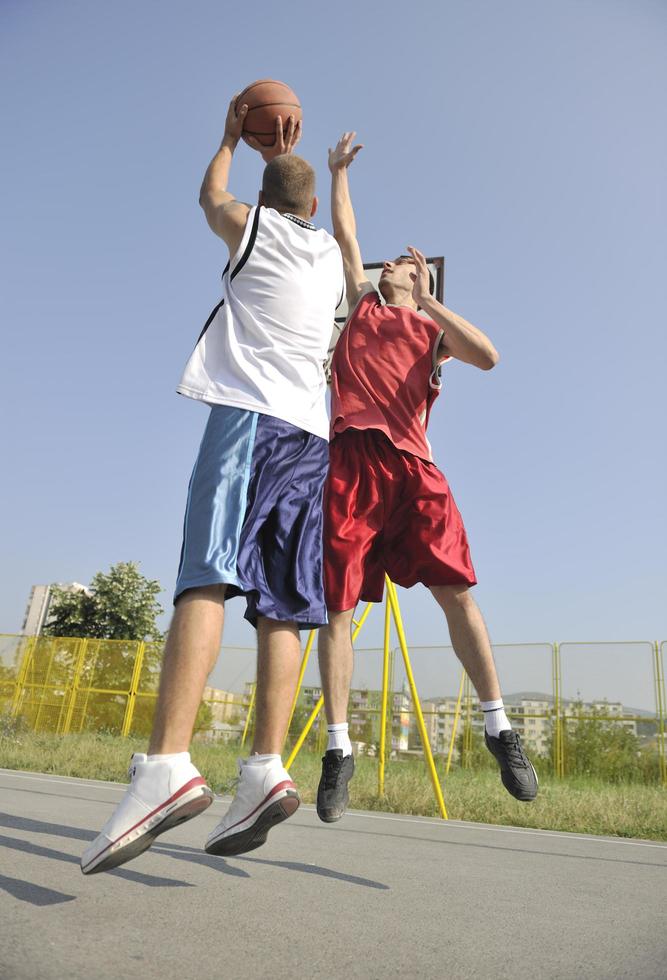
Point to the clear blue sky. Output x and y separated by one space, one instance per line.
524 141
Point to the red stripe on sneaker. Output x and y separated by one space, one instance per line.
197 781
286 784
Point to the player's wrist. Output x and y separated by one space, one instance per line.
428 302
229 142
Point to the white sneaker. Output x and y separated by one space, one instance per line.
160 796
265 795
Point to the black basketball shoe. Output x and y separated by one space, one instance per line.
332 794
516 770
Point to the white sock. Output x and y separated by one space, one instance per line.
495 719
169 757
339 738
256 759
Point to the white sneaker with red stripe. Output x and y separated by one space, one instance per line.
265 796
160 796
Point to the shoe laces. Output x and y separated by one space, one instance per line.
515 754
332 767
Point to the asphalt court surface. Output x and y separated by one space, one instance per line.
374 896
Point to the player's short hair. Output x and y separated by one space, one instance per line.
431 280
288 184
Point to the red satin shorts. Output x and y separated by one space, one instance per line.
387 511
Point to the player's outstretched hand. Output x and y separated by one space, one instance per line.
420 277
343 153
285 141
234 122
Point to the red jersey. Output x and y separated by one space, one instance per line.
385 374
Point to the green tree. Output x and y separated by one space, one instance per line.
121 604
597 746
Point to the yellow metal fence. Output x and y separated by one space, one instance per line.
69 685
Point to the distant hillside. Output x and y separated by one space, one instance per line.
518 696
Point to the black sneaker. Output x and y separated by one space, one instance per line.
516 770
332 794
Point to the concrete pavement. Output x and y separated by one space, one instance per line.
374 896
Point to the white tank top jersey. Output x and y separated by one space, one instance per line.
264 345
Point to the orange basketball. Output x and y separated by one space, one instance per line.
267 99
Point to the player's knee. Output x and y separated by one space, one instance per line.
339 622
453 597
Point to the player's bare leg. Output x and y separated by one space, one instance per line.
278 660
265 794
192 648
166 789
336 659
470 639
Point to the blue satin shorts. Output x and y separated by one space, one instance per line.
253 519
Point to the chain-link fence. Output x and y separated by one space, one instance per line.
581 708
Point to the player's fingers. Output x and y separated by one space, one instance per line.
290 130
417 256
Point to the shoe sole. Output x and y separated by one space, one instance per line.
331 818
255 836
141 838
326 816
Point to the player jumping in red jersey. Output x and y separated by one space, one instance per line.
388 508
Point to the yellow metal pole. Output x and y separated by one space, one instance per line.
304 734
302 671
248 715
318 707
560 754
659 677
467 729
47 677
83 645
398 622
134 687
362 619
93 665
385 697
457 713
21 675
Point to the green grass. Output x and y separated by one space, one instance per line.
576 805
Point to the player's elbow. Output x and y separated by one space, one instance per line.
489 359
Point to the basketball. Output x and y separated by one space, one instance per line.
267 99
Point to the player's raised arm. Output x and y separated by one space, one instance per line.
344 223
226 216
461 340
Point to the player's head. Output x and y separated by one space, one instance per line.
395 283
288 185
